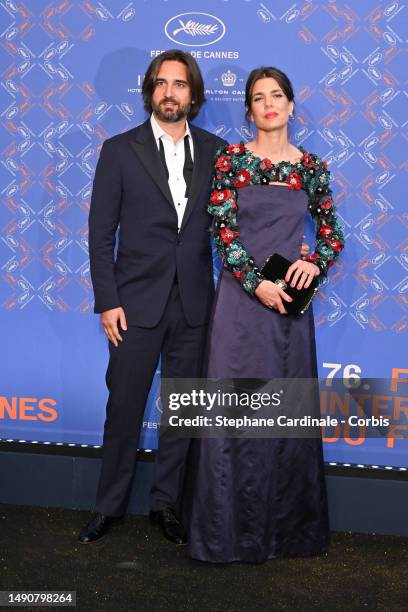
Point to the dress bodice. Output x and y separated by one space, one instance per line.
271 220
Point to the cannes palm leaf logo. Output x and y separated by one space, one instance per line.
193 28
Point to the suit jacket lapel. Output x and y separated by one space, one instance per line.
202 160
143 144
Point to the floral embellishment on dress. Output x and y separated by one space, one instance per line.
265 164
307 160
237 167
326 231
236 254
228 235
285 170
223 163
294 181
336 245
236 149
243 178
219 197
326 204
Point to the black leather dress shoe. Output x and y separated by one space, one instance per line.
171 527
97 527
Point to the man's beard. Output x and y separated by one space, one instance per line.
170 116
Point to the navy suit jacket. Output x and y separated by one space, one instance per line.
131 200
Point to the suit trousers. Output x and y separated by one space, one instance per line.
129 377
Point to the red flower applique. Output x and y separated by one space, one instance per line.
335 245
294 181
313 257
236 149
219 197
324 165
265 164
228 235
223 163
307 160
327 204
238 275
243 178
326 231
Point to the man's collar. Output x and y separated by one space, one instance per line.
158 131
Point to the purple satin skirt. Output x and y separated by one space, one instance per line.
256 499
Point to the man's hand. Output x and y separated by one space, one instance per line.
271 296
303 271
109 320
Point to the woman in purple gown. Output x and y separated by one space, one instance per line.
258 499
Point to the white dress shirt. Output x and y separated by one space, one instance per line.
174 153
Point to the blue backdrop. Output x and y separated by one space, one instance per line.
71 75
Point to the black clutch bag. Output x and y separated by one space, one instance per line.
274 269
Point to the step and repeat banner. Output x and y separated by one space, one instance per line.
70 77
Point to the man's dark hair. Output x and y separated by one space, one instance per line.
194 79
267 72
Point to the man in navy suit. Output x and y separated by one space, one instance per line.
153 183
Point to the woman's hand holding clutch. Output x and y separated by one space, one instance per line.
302 271
271 296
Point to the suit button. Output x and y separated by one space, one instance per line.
179 242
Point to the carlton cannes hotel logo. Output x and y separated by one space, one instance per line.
194 29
